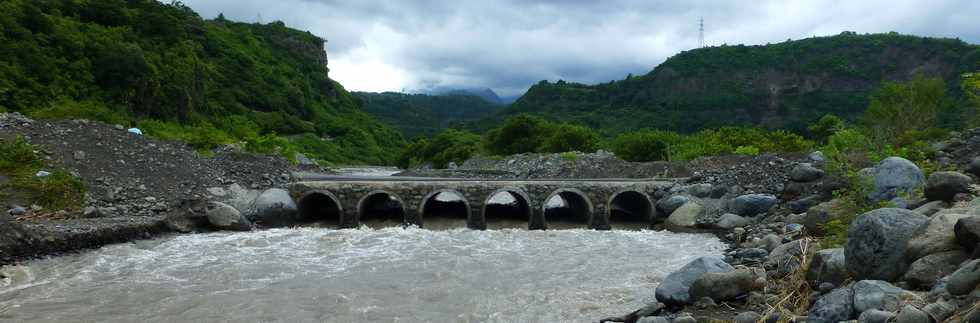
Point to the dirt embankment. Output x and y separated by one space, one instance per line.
132 181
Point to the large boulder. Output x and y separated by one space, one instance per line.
964 280
730 221
189 216
974 167
893 176
828 266
924 273
967 231
875 316
817 216
786 257
728 285
911 314
934 237
753 204
685 218
876 243
668 205
833 307
273 208
943 186
675 289
226 217
876 295
805 172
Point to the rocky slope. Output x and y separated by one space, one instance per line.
134 183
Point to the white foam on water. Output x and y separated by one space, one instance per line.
364 275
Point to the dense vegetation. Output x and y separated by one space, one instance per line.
165 69
425 115
788 85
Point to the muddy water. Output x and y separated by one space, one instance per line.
365 275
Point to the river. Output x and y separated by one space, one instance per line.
354 275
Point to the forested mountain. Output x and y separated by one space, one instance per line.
143 62
421 114
785 85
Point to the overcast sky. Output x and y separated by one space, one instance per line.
508 45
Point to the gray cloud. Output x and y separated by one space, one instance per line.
509 45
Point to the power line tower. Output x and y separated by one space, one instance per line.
701 33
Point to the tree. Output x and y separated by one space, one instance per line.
519 134
825 127
896 109
569 137
643 145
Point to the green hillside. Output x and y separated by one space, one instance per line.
163 67
425 115
786 85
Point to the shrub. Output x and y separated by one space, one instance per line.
643 145
449 146
569 156
59 190
898 108
747 150
568 137
825 127
90 110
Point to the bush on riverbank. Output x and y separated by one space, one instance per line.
20 162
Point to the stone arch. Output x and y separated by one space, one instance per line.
320 206
523 209
630 206
430 207
381 206
579 208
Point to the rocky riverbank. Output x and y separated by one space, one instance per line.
915 261
137 187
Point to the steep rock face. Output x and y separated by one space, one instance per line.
779 85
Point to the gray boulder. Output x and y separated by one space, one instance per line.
974 167
940 310
893 176
189 216
653 319
805 172
730 221
668 205
876 243
875 316
225 217
911 314
747 317
273 208
752 204
723 286
964 280
700 190
817 157
943 186
967 232
828 266
675 289
931 208
924 273
786 257
876 295
934 237
833 307
685 218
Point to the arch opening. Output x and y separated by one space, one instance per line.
320 207
381 209
444 210
507 209
566 210
630 209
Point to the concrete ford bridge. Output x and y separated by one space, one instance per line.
595 203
